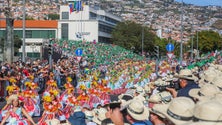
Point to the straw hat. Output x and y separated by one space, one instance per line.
186 74
207 113
140 90
52 122
100 116
179 110
155 98
217 82
136 110
89 114
165 96
11 98
207 90
207 78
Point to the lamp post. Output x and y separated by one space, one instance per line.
23 28
181 42
33 47
142 38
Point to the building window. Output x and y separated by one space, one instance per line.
65 15
92 15
65 30
28 34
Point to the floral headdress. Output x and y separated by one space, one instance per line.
47 98
51 83
28 84
94 83
82 87
12 80
54 92
12 89
69 79
31 77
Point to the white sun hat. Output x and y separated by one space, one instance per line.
179 110
205 91
207 113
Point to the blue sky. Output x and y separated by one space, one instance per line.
203 2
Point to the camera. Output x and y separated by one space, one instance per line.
171 84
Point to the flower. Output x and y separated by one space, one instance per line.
82 87
69 79
51 83
28 84
12 80
47 99
54 92
31 77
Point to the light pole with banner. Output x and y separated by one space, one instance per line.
33 46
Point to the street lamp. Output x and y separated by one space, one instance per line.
33 47
181 42
142 38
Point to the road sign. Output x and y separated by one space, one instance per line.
78 58
170 55
78 52
170 47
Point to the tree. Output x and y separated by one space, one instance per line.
208 41
129 35
17 44
53 16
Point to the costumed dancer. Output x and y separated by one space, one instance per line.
14 115
68 99
51 106
31 99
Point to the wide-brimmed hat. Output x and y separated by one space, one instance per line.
136 110
217 82
52 122
100 116
178 111
208 77
11 98
89 114
207 113
205 91
186 74
164 97
140 90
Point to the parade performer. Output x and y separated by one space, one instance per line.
15 113
83 97
51 106
31 99
68 98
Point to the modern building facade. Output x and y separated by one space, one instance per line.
89 24
37 32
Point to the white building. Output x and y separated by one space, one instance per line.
89 24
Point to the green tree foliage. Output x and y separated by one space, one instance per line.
17 44
208 41
129 35
53 16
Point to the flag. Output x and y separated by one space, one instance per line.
78 5
71 8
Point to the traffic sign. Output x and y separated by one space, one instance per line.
78 58
78 52
170 55
170 47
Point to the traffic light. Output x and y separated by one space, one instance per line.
50 49
156 52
